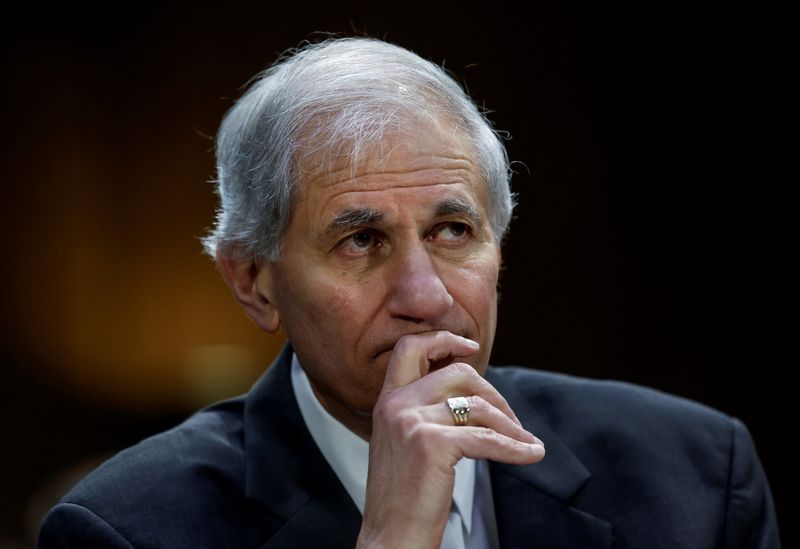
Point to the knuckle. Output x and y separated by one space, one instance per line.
406 422
463 369
479 404
421 437
487 435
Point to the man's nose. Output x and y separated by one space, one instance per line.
418 292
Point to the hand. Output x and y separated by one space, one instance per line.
415 443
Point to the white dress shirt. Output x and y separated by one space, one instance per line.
471 524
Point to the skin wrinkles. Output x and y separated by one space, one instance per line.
460 205
342 171
417 329
364 186
453 206
344 311
351 221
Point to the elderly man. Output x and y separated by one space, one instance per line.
363 202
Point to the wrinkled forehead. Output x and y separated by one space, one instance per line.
405 147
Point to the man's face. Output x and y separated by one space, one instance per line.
401 246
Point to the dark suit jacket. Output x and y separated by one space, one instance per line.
625 467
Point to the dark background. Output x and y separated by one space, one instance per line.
654 239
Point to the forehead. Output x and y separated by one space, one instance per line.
424 159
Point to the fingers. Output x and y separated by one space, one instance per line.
481 414
493 430
414 442
461 379
412 355
485 443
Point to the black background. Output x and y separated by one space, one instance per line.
655 234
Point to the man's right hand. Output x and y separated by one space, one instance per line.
415 443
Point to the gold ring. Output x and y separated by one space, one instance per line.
459 407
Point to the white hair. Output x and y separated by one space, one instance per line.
340 96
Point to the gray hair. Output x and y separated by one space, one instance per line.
340 96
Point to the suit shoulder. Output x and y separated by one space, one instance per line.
598 403
211 435
187 467
668 456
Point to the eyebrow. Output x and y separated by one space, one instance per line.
364 217
452 206
349 219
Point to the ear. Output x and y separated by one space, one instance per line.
250 282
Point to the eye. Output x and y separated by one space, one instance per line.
359 243
453 232
362 239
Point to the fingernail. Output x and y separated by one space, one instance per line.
471 342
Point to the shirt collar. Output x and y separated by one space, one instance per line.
348 454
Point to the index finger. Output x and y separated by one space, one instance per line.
412 355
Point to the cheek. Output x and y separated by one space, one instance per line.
475 287
325 305
338 300
341 321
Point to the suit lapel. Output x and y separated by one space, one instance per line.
288 473
533 502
